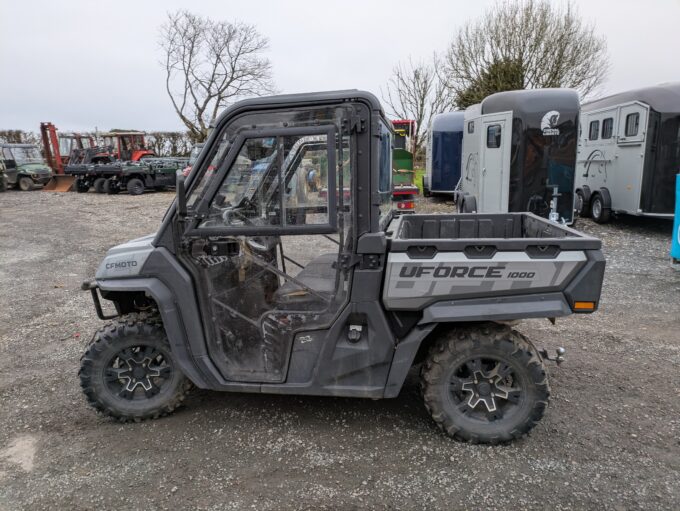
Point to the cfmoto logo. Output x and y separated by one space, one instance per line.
549 123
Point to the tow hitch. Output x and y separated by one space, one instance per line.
558 358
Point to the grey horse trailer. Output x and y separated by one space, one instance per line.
629 153
519 154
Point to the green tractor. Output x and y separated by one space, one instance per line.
25 168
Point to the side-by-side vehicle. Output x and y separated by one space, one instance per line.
254 283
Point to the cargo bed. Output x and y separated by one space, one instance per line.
508 265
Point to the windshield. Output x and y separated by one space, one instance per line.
26 155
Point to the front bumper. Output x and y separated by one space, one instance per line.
41 179
92 287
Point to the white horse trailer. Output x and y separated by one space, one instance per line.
629 153
519 154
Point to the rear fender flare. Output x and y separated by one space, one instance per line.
404 355
585 190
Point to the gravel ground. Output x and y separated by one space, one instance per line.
610 439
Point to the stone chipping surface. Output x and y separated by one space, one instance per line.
609 440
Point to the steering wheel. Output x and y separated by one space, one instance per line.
262 244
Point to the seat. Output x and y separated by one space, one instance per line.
318 275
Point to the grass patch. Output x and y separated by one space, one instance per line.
418 178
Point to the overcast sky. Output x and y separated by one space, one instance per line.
84 63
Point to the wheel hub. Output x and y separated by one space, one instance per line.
141 367
485 388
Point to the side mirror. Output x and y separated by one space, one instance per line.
181 197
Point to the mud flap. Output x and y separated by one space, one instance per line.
60 183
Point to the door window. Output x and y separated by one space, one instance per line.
632 124
493 136
594 130
277 182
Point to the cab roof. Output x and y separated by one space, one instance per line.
298 100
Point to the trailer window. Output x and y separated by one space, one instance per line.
632 124
471 127
493 136
594 130
607 128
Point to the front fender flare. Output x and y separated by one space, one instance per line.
172 322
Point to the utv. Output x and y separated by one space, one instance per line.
251 286
25 168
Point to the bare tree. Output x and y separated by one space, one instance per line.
210 64
525 44
416 92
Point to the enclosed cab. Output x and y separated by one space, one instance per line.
519 154
444 152
127 145
25 168
629 153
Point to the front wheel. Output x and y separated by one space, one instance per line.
26 184
128 371
485 384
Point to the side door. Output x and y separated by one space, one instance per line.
470 164
266 243
495 163
630 139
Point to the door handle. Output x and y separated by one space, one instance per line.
483 170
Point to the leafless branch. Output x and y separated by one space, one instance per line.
210 64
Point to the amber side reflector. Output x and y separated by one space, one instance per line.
584 306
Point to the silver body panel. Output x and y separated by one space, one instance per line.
125 260
413 284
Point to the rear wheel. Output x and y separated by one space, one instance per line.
485 384
135 186
599 212
128 371
26 184
99 184
111 187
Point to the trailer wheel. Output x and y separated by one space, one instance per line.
485 384
99 184
599 212
128 371
26 184
581 207
135 186
111 187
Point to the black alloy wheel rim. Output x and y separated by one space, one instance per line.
485 389
138 372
